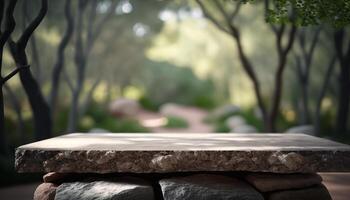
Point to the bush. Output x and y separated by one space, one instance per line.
176 122
164 82
148 104
97 117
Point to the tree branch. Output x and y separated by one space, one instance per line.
235 12
23 40
311 51
9 23
69 82
2 5
210 17
14 72
291 38
100 24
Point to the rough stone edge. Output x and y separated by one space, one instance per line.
96 161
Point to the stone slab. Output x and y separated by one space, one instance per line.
163 153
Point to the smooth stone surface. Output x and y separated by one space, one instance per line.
120 188
267 182
207 187
145 153
313 193
45 191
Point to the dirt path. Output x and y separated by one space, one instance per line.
194 117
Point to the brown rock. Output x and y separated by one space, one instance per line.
266 182
319 192
54 177
45 191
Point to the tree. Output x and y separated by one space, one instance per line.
325 85
281 32
342 49
316 12
303 67
58 66
40 108
37 71
83 49
9 26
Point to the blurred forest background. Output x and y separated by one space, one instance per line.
159 66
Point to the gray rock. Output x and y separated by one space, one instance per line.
319 192
235 121
306 129
118 188
124 107
170 109
207 187
266 182
98 130
244 128
45 191
225 111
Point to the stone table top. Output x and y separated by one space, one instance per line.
171 152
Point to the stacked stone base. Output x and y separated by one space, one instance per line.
189 186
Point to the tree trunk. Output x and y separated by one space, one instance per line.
74 112
89 97
40 109
2 124
57 69
36 60
317 120
17 108
248 68
282 61
276 95
344 98
344 81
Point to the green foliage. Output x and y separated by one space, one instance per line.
164 82
97 117
148 104
206 101
221 127
176 122
310 12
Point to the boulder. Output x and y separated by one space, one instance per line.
225 111
244 128
235 121
98 130
170 109
207 187
305 129
45 191
267 182
127 188
124 108
319 192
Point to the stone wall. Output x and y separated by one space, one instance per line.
182 186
